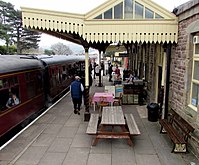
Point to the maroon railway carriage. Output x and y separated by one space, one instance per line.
36 81
59 73
22 77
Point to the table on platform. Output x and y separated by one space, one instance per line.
112 117
102 97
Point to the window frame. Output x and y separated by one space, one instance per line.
193 80
12 86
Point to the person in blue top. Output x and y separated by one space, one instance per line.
76 89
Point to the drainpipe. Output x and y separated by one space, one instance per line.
169 46
100 77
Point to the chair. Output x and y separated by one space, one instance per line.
119 100
102 103
90 101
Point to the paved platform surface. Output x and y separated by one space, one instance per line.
59 138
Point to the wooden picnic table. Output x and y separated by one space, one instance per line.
111 118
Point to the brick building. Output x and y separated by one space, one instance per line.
184 87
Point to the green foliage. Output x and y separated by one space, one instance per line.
3 49
49 52
29 40
12 32
11 50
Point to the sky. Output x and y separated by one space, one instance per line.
76 6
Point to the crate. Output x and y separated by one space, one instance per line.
130 99
124 99
135 99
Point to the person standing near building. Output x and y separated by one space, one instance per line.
102 68
97 70
110 70
76 90
94 69
117 72
97 74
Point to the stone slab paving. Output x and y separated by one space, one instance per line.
59 138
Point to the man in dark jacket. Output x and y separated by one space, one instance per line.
110 70
76 90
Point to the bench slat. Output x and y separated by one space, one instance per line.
92 125
178 130
133 128
182 123
173 134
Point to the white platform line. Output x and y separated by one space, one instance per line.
14 137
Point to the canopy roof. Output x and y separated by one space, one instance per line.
114 21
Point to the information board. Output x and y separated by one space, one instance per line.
110 89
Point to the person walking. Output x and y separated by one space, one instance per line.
94 69
110 70
76 89
102 68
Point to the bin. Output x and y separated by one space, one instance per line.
153 112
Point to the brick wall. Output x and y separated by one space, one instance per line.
181 70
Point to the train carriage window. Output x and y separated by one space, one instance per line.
4 95
70 71
39 82
53 77
9 88
64 73
30 83
59 76
13 100
5 83
1 84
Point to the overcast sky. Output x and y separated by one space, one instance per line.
76 6
81 6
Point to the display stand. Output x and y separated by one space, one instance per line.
132 92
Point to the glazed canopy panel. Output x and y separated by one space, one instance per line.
146 22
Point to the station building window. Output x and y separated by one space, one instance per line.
139 9
118 11
130 9
99 17
108 14
157 16
195 77
149 13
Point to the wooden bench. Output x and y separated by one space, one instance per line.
178 130
131 124
93 124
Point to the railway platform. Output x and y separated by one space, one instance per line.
59 137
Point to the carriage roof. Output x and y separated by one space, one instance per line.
56 59
14 63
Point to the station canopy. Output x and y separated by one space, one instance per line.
121 21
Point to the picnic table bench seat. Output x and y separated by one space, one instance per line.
93 124
132 126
